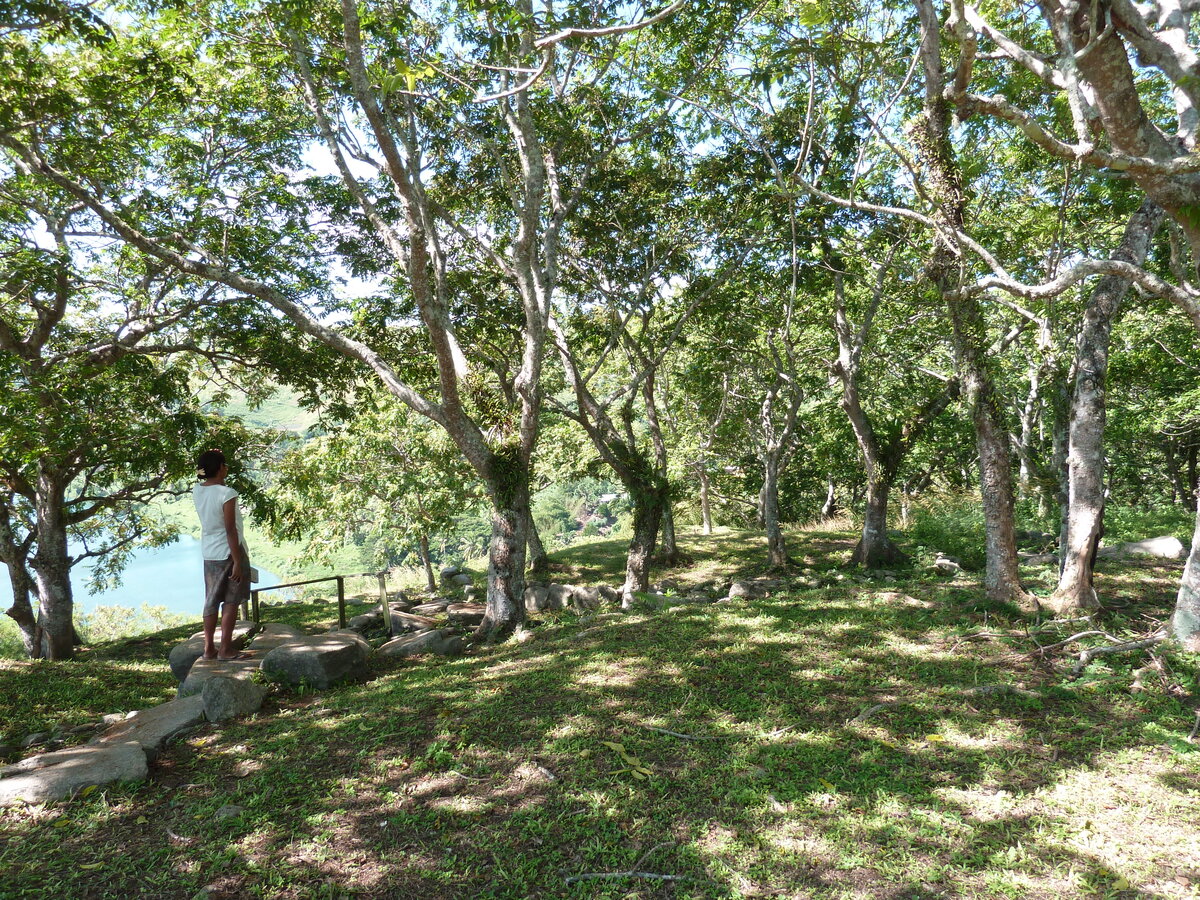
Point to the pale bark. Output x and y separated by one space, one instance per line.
427 563
538 561
14 553
706 521
936 151
1185 621
1085 455
881 460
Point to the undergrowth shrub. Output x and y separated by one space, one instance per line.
1136 523
950 524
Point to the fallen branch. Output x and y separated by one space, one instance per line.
993 690
1192 737
689 737
1071 639
1128 647
867 713
634 872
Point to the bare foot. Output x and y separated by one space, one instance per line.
212 655
235 656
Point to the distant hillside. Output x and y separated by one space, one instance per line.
281 410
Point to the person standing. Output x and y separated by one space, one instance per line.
226 557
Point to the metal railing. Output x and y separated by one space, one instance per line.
385 610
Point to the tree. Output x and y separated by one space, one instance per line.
385 478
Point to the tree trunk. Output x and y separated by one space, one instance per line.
1085 454
830 506
1002 579
875 549
427 562
52 572
14 554
706 522
945 184
669 555
647 516
1179 493
538 561
1185 622
508 490
777 555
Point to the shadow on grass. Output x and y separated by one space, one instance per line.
504 773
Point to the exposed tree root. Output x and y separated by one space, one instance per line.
1091 653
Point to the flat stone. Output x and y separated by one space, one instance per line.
153 727
740 589
49 777
431 607
537 596
440 641
318 661
32 740
1166 547
183 656
586 598
366 621
243 629
466 613
559 596
409 622
205 669
226 698
229 810
274 634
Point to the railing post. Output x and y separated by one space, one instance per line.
341 601
254 606
384 607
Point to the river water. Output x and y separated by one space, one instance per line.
170 576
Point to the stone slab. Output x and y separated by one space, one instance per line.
49 777
441 642
318 661
205 669
153 727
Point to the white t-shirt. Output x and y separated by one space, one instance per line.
209 500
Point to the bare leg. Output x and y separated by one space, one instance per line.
228 619
210 629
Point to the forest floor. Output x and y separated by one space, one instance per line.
842 741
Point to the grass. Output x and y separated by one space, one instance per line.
508 771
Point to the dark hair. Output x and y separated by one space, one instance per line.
209 464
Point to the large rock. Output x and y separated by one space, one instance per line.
740 589
559 596
462 578
537 596
318 661
402 621
440 641
367 621
183 656
153 727
230 698
205 669
586 598
466 613
431 607
449 572
49 777
1166 547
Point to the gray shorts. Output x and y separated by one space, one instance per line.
219 588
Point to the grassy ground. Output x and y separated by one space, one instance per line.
832 742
